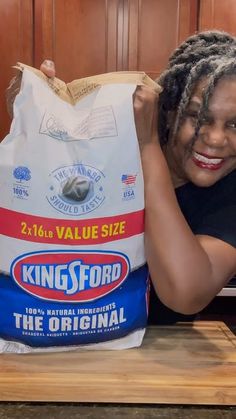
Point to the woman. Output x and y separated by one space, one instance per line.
189 172
190 232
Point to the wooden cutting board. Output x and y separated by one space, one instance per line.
183 364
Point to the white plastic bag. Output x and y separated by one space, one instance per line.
72 217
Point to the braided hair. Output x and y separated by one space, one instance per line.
207 54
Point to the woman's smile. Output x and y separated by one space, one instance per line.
207 162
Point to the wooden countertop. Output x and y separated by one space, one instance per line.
189 363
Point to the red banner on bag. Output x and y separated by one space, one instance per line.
70 232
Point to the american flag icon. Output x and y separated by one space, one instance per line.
128 179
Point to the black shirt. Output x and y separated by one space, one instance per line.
210 211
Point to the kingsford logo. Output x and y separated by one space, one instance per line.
70 276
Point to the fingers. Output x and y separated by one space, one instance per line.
145 100
12 91
145 115
145 94
48 68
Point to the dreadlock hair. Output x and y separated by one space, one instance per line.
202 39
207 54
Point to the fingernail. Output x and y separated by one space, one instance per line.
49 63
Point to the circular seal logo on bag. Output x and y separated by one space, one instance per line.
70 276
76 190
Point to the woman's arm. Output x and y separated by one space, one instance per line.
187 270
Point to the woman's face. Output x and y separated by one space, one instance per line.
213 154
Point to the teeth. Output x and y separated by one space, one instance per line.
206 160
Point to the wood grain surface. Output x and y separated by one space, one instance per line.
192 363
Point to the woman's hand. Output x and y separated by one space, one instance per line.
145 102
47 67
